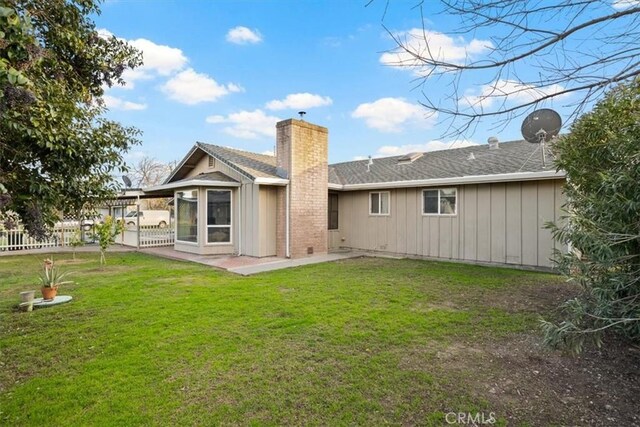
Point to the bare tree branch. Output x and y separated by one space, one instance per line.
533 52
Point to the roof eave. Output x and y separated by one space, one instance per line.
191 183
271 181
460 180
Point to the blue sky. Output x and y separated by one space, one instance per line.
224 72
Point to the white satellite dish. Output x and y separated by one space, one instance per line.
541 126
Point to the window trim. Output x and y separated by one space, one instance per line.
438 189
206 217
379 203
175 230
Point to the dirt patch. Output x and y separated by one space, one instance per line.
524 382
531 297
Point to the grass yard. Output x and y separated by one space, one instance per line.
363 341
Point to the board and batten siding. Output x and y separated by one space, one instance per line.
268 212
496 223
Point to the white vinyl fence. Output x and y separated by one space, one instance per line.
147 236
18 238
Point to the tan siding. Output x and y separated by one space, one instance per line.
514 223
203 167
483 251
546 212
500 223
267 218
470 221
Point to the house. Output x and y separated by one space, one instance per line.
480 204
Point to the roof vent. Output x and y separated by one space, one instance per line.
369 163
409 158
494 144
471 156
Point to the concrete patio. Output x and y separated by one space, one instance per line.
246 265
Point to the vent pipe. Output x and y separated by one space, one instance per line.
369 163
494 144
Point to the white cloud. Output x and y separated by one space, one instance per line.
299 101
243 35
389 114
434 145
502 91
268 153
247 124
625 4
157 60
190 87
434 46
115 103
160 58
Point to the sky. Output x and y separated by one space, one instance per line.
224 72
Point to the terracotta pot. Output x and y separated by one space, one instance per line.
49 293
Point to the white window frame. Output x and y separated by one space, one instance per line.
380 203
175 228
206 215
439 190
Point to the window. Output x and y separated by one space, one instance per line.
187 211
379 203
439 202
219 216
333 211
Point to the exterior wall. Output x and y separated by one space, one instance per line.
496 223
334 239
249 199
302 151
267 216
203 167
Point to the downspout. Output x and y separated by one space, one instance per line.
240 219
286 233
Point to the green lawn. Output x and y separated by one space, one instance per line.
363 341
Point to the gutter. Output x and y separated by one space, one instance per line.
191 183
469 179
271 181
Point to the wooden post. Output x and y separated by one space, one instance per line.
123 225
62 223
138 223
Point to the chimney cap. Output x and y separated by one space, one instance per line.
302 113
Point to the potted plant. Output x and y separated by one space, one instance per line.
51 278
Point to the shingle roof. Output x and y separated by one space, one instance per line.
253 164
510 157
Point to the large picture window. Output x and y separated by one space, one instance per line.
187 216
379 203
219 216
439 202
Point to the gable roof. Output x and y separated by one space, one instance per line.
510 158
251 164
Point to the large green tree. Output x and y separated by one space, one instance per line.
57 151
601 156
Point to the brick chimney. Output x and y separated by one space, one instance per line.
301 155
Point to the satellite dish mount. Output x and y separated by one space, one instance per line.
540 127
